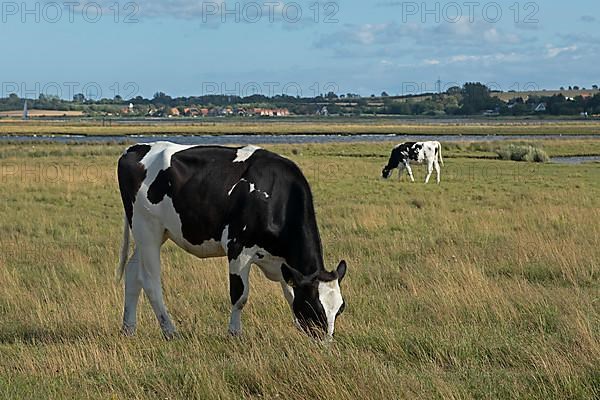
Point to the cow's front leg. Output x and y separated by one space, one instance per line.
412 179
239 288
288 293
400 171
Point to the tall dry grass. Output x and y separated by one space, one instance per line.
486 286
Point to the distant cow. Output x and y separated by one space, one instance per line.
246 203
403 153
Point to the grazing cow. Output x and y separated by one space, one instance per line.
248 204
403 153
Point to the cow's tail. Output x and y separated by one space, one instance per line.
440 153
124 252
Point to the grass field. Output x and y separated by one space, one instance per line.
486 286
342 126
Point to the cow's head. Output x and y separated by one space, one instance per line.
386 172
317 299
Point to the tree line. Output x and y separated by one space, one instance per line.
471 99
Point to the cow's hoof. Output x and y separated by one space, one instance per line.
235 332
128 331
171 335
297 324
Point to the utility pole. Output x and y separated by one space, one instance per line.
25 112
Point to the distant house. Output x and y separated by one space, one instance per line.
491 113
271 112
215 111
323 111
174 112
263 112
127 110
540 107
192 112
154 112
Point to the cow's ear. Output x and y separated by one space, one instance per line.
291 276
341 270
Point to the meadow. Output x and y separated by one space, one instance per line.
486 286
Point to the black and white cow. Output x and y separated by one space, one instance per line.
248 204
403 153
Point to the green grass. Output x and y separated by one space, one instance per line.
486 286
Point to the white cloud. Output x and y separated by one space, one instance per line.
465 32
391 34
367 34
485 58
553 52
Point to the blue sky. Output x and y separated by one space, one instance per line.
185 47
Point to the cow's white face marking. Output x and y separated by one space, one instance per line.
245 153
330 297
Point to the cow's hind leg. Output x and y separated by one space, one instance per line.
149 238
429 170
239 288
436 165
133 287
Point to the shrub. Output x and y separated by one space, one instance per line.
522 153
